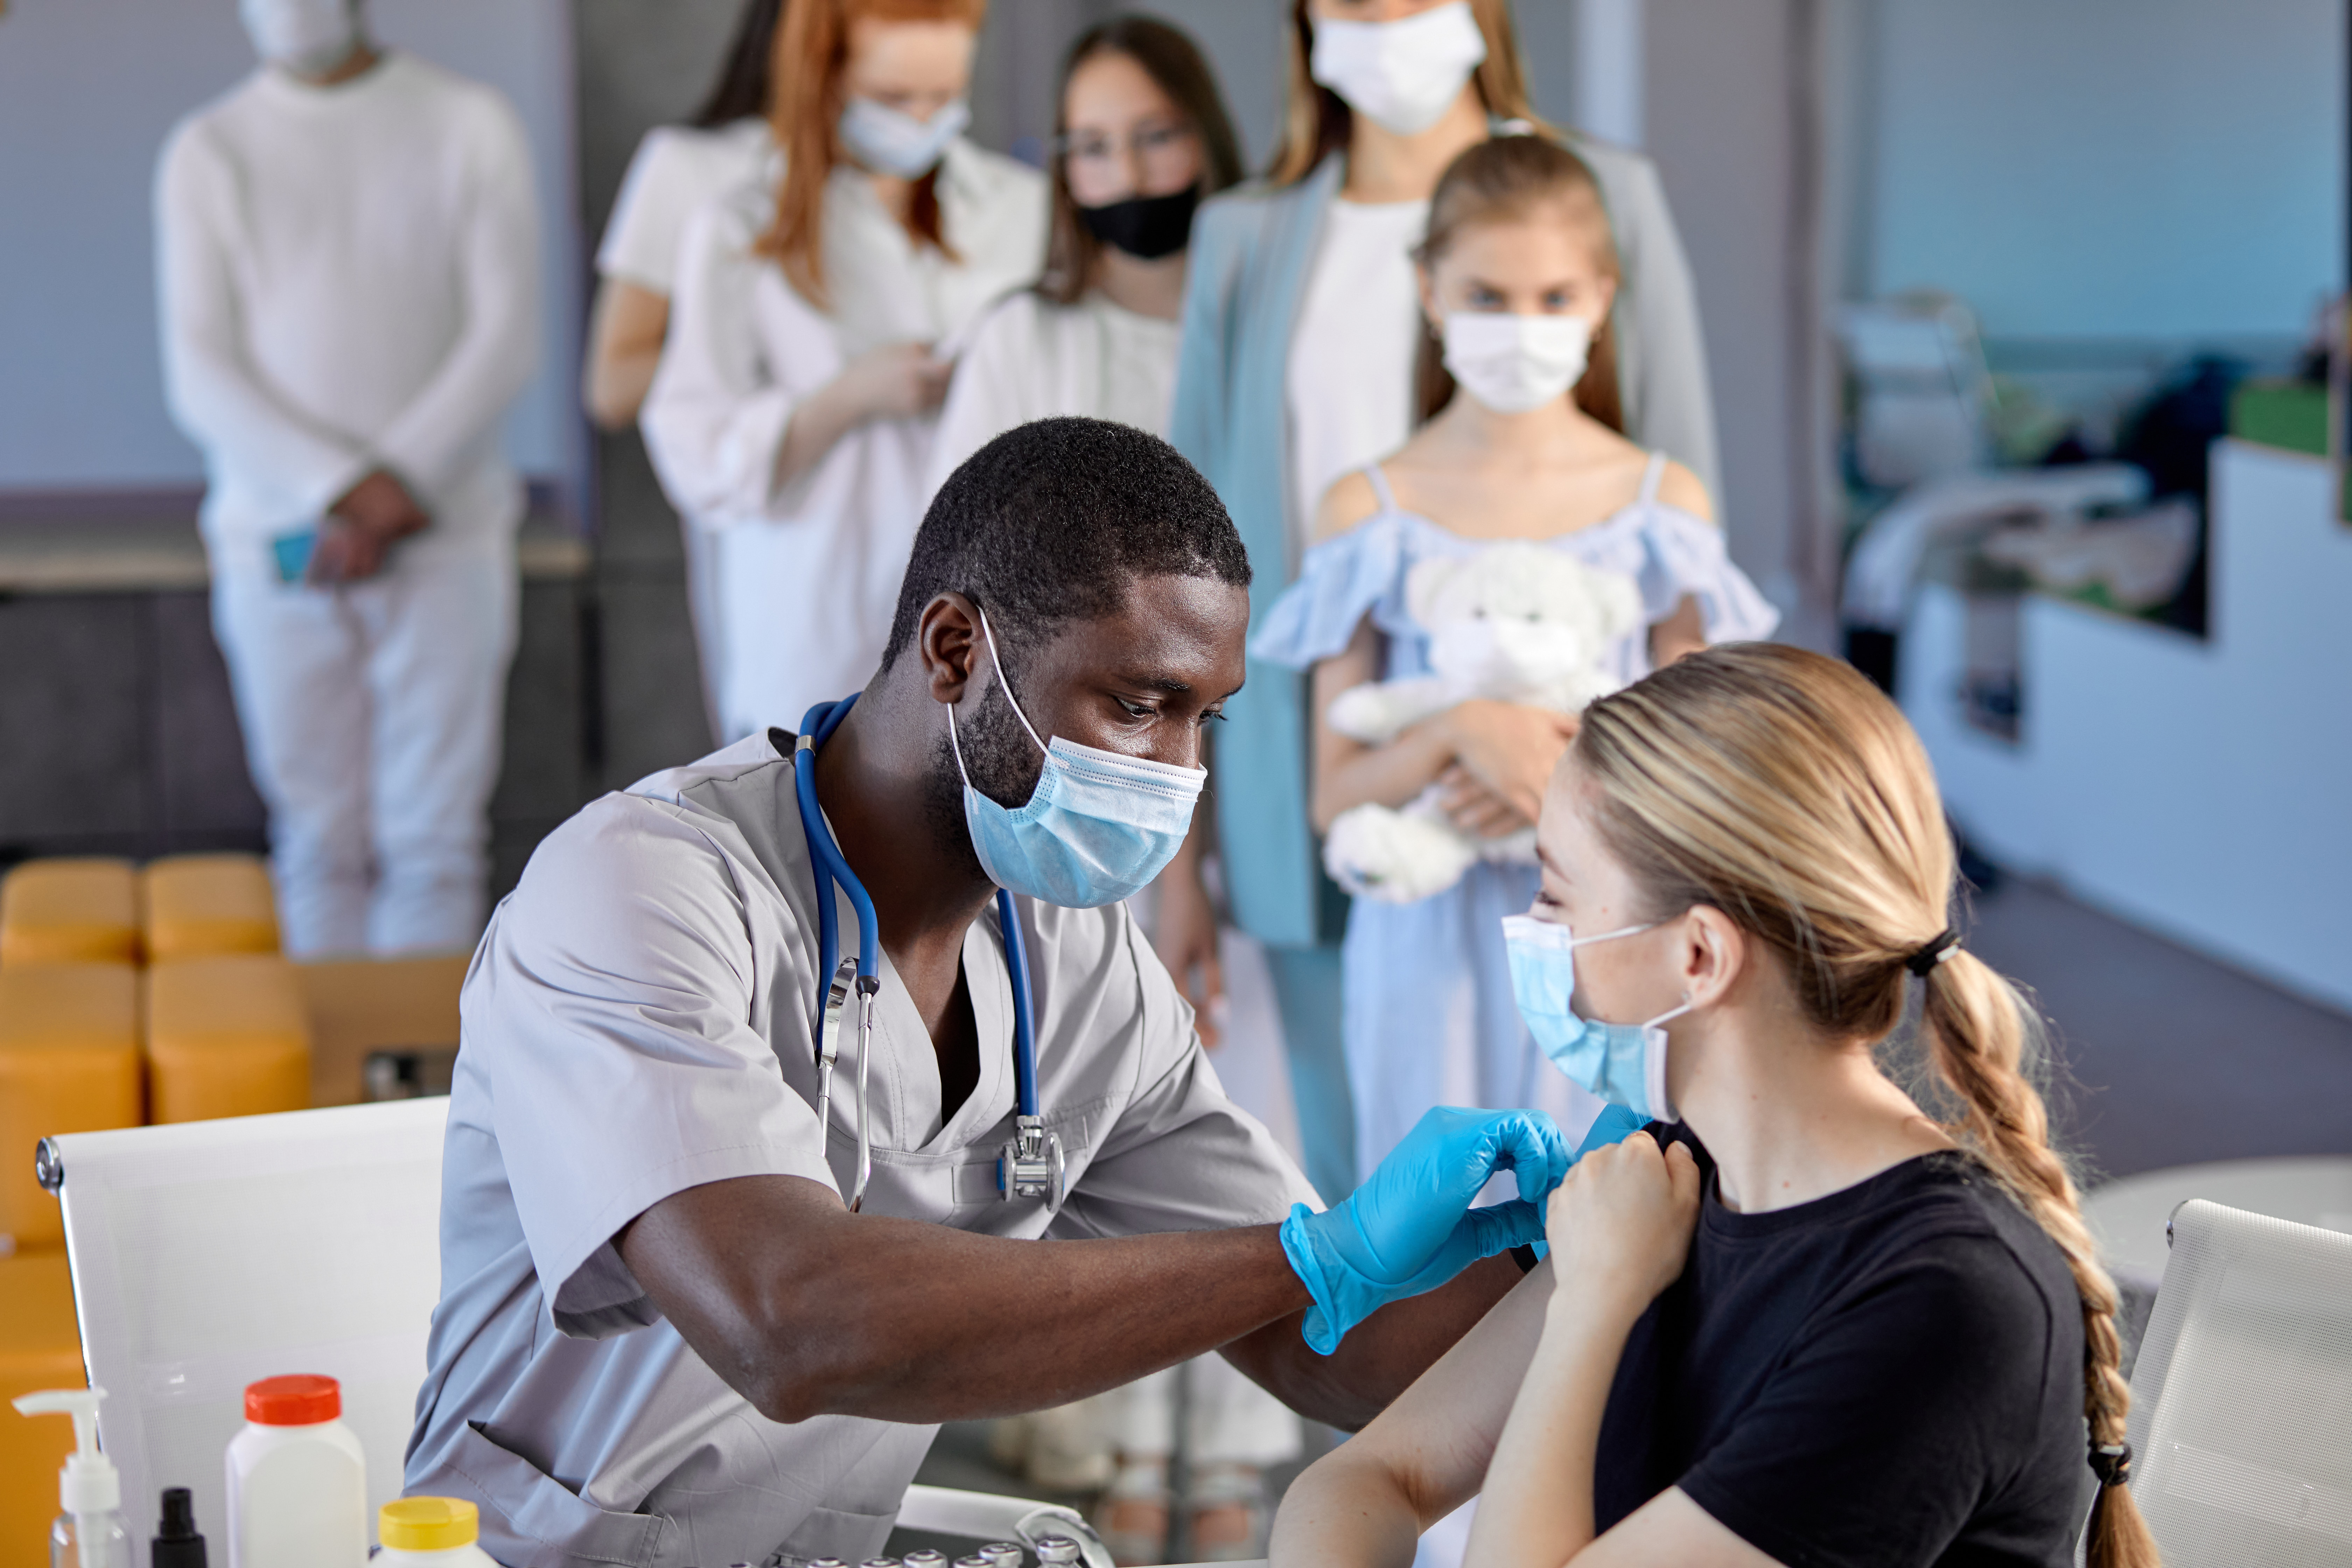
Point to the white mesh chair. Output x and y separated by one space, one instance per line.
2241 1400
208 1254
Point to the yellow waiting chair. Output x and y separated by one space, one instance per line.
227 1036
199 905
69 911
69 1063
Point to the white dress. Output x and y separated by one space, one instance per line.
1033 359
808 572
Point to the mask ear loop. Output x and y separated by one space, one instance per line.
997 659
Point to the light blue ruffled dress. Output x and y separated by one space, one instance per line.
1428 1017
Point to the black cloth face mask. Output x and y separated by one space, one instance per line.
1146 228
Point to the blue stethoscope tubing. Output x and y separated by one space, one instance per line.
831 870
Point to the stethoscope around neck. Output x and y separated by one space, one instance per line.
1030 1165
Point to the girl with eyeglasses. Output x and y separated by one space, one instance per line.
793 414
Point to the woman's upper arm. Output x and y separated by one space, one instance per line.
1671 1528
1435 1440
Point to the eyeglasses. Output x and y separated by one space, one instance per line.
1091 153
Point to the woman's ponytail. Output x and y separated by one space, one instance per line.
1976 1026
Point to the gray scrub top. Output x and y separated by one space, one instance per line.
638 1021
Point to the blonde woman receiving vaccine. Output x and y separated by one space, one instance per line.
1798 1318
800 381
1518 275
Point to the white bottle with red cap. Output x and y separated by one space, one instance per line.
297 1481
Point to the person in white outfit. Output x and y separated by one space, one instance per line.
810 337
677 170
1143 137
348 261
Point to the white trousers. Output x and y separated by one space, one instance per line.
373 717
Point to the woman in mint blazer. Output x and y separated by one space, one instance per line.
1258 254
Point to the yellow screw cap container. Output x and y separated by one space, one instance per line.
69 911
225 1036
428 1524
201 904
69 1063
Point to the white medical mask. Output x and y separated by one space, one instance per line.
1624 1064
1514 363
891 142
1098 827
1402 75
307 36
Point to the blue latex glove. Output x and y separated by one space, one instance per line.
1410 1227
1613 1125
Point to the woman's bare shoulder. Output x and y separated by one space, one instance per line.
1682 489
1348 502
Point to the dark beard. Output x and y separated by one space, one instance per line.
1004 765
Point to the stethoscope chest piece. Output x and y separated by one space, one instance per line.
1031 1165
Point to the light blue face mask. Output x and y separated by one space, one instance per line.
1624 1064
1098 826
892 141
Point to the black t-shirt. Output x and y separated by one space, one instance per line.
1889 1376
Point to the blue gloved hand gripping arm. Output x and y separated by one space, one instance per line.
1410 1227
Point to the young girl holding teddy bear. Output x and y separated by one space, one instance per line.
1521 452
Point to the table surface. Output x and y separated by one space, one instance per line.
139 541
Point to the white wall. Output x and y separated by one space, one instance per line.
2109 168
88 91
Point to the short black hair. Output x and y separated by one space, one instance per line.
1054 521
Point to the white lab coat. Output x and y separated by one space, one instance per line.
808 572
1032 358
349 280
638 1021
677 170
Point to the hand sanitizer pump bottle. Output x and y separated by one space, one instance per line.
88 1532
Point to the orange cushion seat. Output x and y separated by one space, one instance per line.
227 1036
69 1063
200 904
69 911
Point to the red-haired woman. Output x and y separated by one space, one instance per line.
793 414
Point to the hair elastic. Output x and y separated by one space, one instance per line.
1939 950
2112 1462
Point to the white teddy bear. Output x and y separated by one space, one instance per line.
1517 622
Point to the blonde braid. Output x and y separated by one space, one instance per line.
1975 1022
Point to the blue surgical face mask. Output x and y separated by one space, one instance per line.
1098 826
891 142
1624 1064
